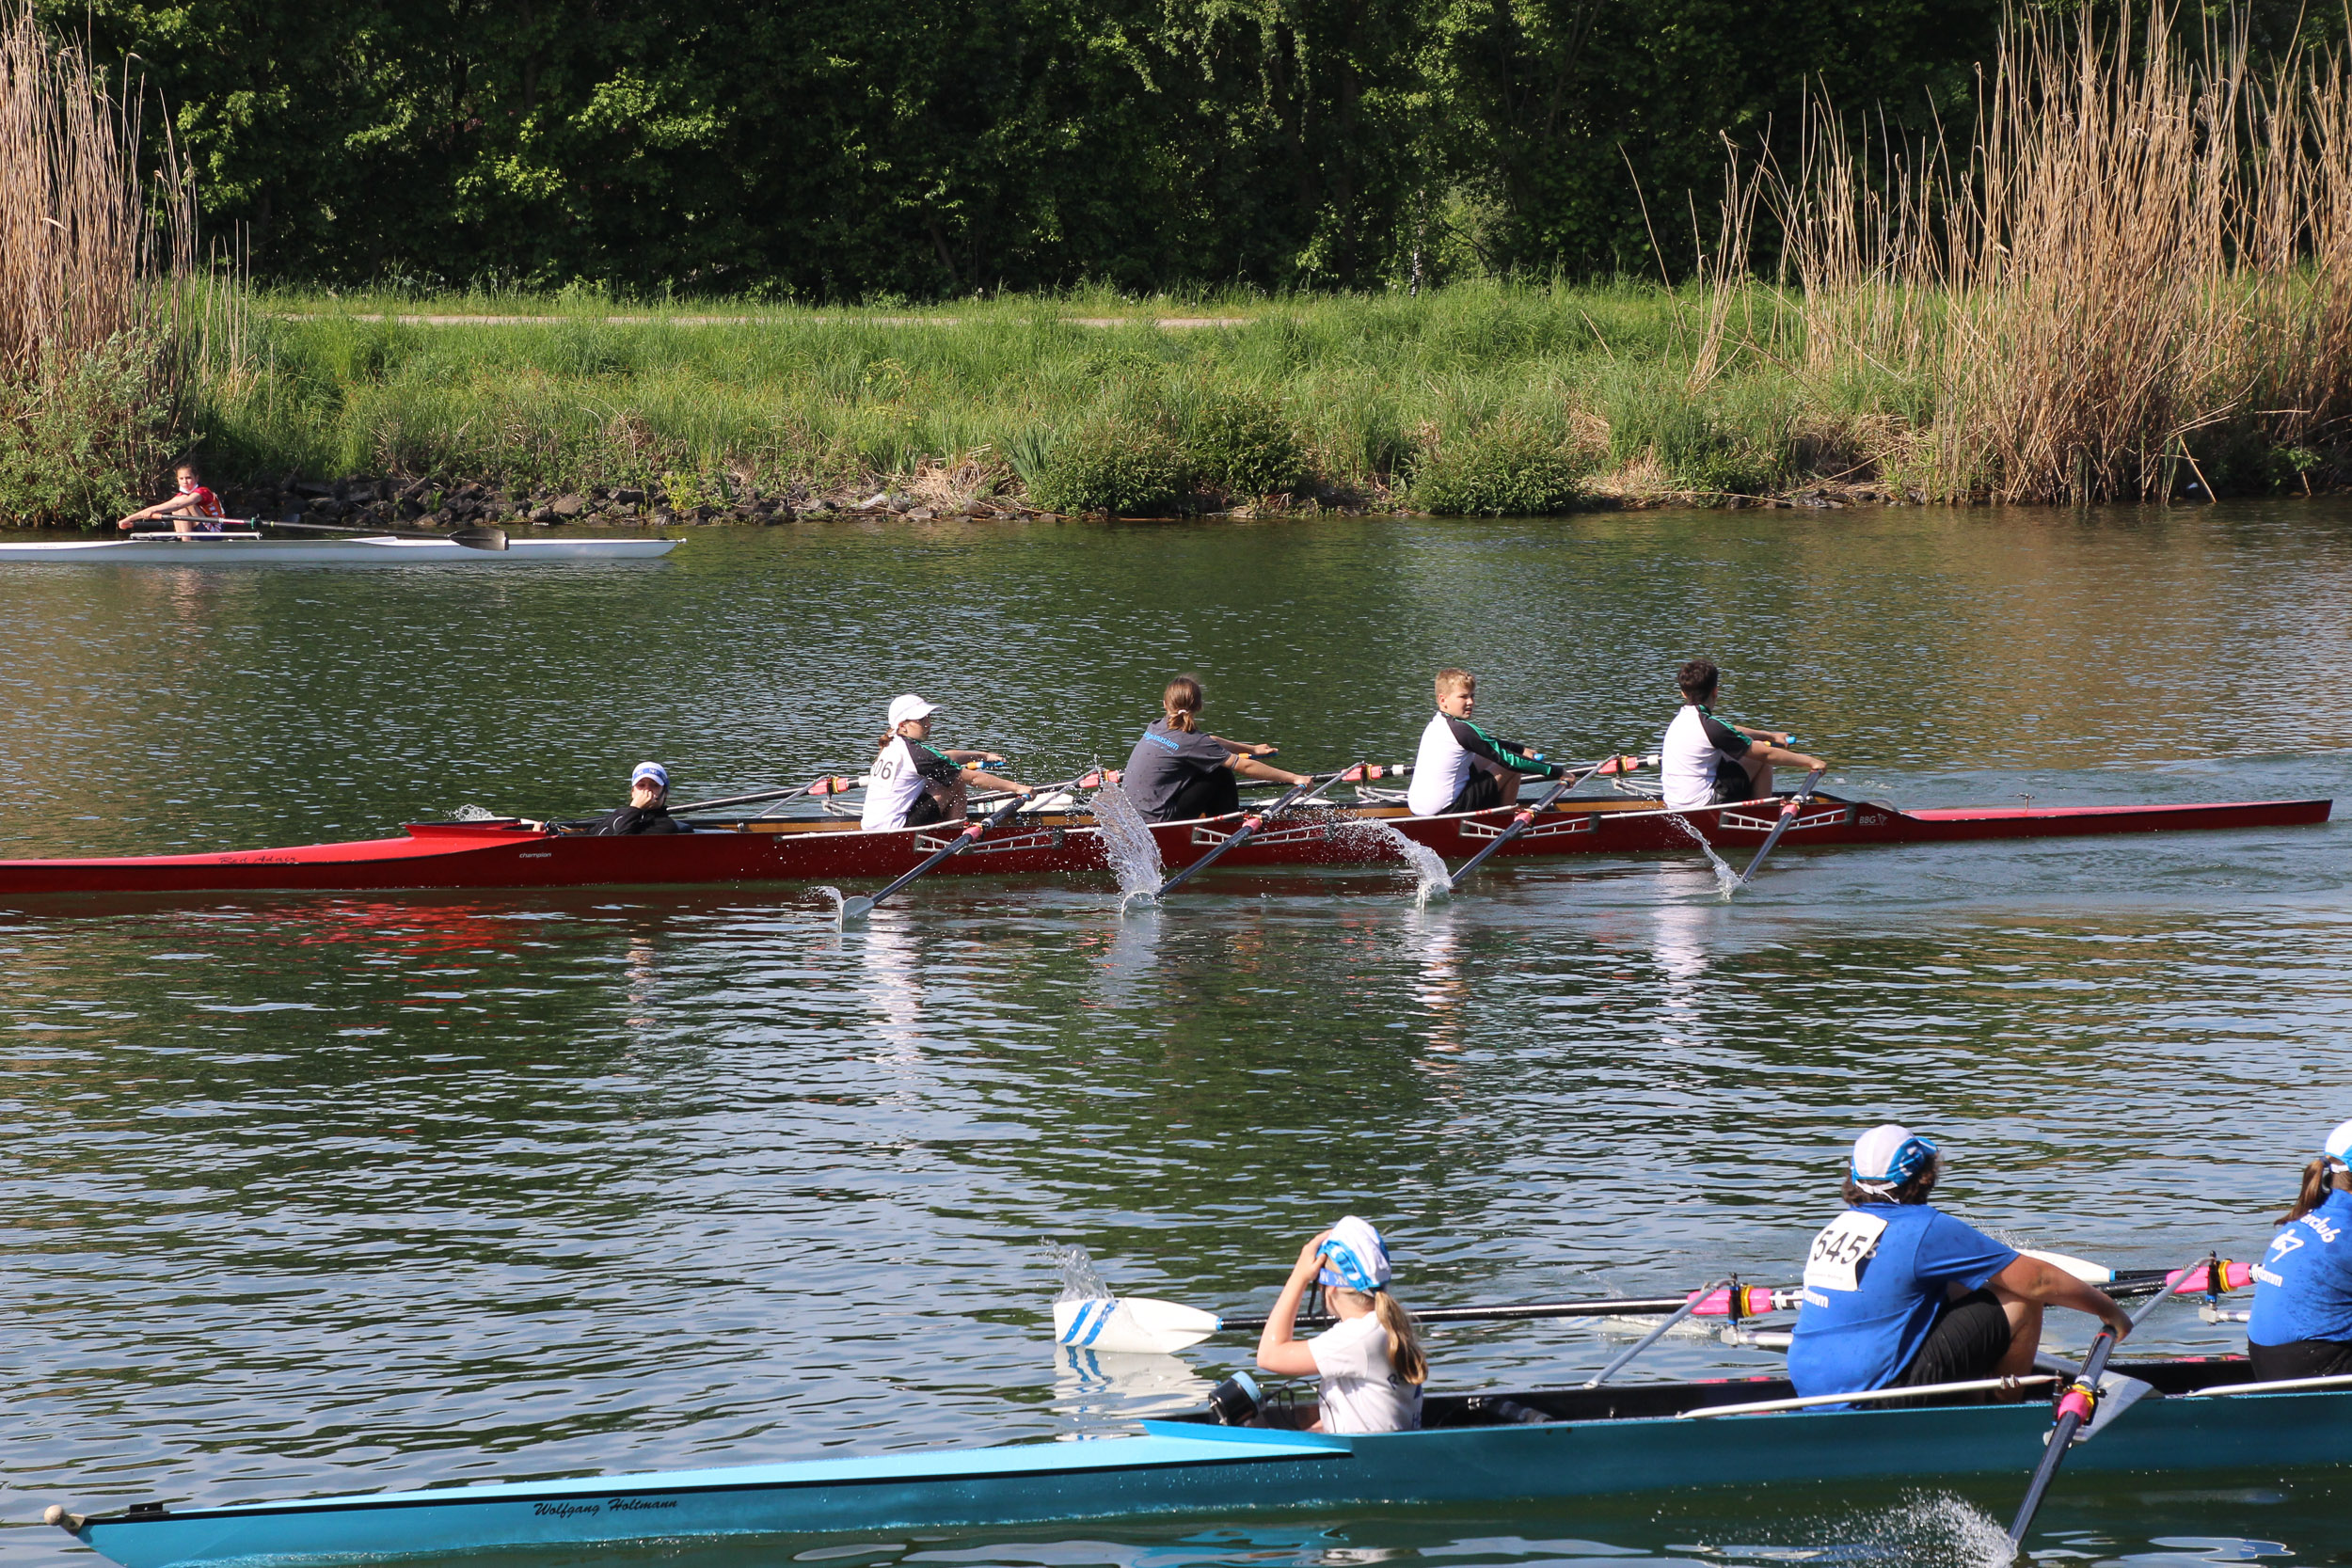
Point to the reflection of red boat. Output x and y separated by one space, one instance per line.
504 855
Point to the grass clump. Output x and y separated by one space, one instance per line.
1509 466
1120 466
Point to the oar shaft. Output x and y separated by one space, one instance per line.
739 799
1787 815
1526 818
1652 1336
1758 1300
2076 1407
1250 824
970 835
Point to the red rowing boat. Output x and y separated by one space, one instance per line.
505 854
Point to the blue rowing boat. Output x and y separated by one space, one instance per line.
1527 1445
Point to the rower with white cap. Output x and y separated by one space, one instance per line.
2302 1320
1370 1361
1899 1294
915 782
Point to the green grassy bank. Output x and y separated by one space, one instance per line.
1474 398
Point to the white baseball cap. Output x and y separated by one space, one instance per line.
909 706
1354 1256
652 771
2338 1145
1890 1154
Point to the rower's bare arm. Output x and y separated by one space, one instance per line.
974 756
1246 748
1781 756
1277 1352
2031 1279
975 779
1250 767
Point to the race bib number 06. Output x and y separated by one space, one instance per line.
1840 1249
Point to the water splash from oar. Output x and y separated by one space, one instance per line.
839 903
1727 880
1128 844
1428 870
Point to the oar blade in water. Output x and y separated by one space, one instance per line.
1131 1324
855 909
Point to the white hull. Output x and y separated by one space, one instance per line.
235 549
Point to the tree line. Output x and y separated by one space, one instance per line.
862 149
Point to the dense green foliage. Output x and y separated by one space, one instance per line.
854 148
1508 467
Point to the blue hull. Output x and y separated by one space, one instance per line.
1182 1468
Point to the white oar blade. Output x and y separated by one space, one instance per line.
2081 1268
1131 1324
856 909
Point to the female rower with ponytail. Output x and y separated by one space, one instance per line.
2302 1320
1370 1361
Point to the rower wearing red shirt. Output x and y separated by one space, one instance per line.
194 509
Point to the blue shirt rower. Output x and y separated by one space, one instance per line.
2302 1320
1899 1294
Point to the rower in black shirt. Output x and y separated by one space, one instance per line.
648 808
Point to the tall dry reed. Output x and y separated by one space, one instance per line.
90 252
2144 254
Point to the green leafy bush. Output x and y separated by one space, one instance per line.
1245 446
1116 465
1506 467
82 439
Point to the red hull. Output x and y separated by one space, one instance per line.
491 855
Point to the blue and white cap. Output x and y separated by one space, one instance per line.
1354 1256
650 772
1889 1155
2338 1145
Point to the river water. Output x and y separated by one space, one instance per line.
310 1193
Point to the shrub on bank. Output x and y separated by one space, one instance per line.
1116 465
83 438
1244 445
1506 467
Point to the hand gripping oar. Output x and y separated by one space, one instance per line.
2074 1407
1297 794
1525 818
482 536
858 909
1789 810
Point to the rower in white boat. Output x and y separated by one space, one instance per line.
1370 1362
1462 767
1899 1294
917 783
2302 1320
1707 762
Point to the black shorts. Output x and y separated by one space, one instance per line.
925 810
1482 793
1215 793
1967 1341
2300 1359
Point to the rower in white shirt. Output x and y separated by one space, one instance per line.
1707 762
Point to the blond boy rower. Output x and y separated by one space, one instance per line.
1462 767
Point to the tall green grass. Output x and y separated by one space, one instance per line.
1478 397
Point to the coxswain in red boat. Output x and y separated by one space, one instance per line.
1176 773
648 808
915 782
1460 766
2302 1320
1370 1361
1707 762
1899 1294
194 509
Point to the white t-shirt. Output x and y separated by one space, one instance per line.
1699 753
1441 768
1361 1389
899 773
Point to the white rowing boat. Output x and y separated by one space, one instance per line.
245 549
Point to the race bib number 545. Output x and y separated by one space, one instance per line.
1840 1249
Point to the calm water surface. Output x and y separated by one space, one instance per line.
309 1193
